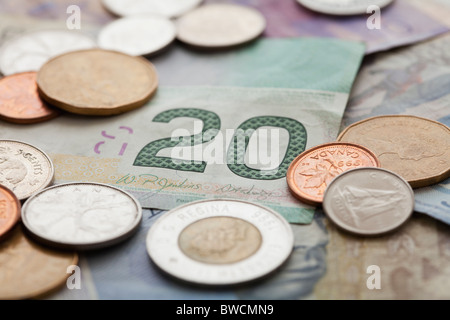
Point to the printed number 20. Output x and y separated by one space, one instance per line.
297 143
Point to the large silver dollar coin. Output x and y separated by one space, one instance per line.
81 215
220 242
165 8
137 35
343 7
368 201
28 52
24 169
220 25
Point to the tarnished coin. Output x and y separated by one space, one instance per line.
417 149
220 242
97 82
81 215
28 270
141 35
343 7
368 201
310 173
166 8
24 169
30 51
9 210
20 101
220 25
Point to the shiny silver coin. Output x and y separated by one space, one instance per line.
81 215
137 35
28 52
368 201
220 25
343 7
165 8
24 169
220 242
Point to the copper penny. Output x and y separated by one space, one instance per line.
9 210
418 149
310 173
28 270
97 82
20 101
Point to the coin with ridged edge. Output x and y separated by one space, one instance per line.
220 242
416 148
81 215
24 168
369 201
29 270
97 82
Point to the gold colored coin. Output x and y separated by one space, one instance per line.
220 240
97 82
28 270
416 148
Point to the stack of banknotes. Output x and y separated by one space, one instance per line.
307 72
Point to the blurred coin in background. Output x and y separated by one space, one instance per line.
343 7
28 52
220 25
141 35
166 8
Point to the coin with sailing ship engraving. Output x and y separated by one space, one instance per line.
29 51
81 215
24 169
416 148
220 242
29 270
140 35
368 201
220 25
20 101
343 7
166 8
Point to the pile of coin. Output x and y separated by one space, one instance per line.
364 180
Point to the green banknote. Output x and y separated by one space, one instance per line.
233 139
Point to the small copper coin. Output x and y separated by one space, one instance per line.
20 101
97 82
29 270
418 149
310 173
9 210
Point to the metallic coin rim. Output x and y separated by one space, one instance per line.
295 190
7 43
51 176
77 245
338 222
415 183
191 278
102 110
353 10
29 120
116 12
101 36
56 283
13 219
197 44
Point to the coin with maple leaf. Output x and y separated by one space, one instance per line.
311 171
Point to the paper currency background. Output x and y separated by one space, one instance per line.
282 67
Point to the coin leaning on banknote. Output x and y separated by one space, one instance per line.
343 7
219 242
